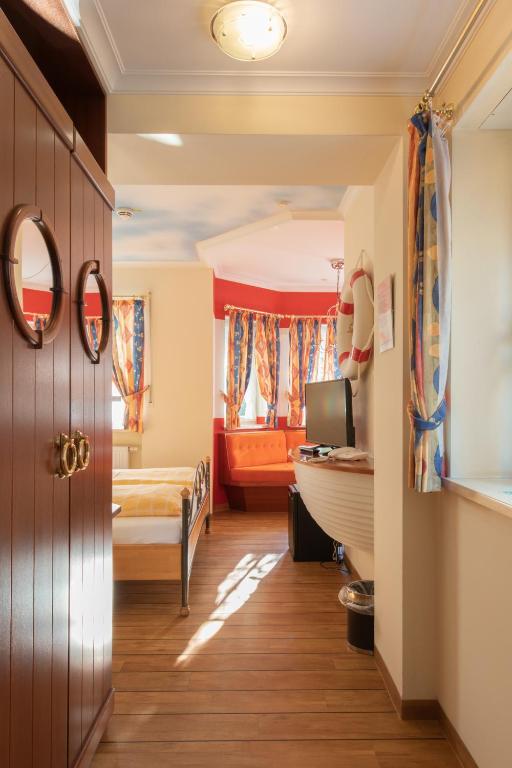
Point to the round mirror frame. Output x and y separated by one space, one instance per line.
20 214
92 267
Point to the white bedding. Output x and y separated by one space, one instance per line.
146 530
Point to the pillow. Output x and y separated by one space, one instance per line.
148 500
174 475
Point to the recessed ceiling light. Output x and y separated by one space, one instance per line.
249 30
125 213
171 139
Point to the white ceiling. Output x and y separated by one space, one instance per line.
332 46
287 252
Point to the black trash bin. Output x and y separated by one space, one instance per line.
358 598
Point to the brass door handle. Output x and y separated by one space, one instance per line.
83 449
68 455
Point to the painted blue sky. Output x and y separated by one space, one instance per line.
172 219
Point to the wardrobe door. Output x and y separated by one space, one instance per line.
34 408
91 488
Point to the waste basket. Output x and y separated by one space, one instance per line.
358 598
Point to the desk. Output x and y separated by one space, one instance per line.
339 497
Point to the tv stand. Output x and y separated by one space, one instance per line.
339 497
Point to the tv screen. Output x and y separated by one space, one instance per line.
329 413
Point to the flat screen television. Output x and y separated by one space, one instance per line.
329 413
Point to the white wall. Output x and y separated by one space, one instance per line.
481 362
178 423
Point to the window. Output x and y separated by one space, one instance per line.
254 405
141 338
254 408
117 409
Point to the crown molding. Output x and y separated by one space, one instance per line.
262 224
272 285
235 275
270 83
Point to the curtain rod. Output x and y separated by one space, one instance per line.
447 109
228 307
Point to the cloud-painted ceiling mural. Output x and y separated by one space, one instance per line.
170 220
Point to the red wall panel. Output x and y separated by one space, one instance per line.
265 300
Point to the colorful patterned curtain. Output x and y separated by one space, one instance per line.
268 352
305 340
36 321
429 252
128 358
93 327
331 368
240 348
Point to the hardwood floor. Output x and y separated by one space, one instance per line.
258 676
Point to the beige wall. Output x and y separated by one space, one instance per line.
358 115
178 422
388 439
475 627
358 211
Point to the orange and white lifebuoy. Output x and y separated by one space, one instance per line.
354 330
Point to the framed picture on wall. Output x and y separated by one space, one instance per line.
385 314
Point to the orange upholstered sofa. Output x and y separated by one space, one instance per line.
257 469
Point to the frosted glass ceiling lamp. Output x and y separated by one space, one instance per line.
249 30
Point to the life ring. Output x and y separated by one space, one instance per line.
354 330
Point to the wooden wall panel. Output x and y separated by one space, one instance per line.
98 374
88 477
107 464
61 510
77 506
6 328
43 483
91 495
23 482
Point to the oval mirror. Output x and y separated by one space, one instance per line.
33 275
93 310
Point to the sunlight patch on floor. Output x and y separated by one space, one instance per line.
233 592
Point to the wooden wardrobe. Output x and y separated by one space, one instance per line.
55 533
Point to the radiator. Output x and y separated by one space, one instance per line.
120 457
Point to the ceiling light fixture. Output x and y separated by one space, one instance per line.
249 30
125 213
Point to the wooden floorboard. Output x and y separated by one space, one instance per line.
259 675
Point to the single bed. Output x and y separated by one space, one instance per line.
153 539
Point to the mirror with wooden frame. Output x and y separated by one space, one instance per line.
33 275
93 310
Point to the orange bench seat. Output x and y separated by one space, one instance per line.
257 469
264 474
